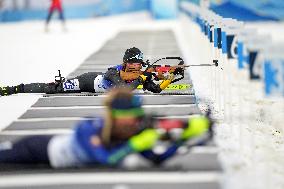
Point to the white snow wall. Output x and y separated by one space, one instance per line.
250 126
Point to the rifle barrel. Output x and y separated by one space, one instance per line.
196 65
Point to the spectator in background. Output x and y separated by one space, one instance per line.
56 5
1 4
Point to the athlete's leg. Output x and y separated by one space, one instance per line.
50 13
27 150
61 14
38 88
82 83
62 18
49 88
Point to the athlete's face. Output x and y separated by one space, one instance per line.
124 128
136 66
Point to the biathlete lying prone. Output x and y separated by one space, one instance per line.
125 129
128 74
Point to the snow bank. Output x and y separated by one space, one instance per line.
250 130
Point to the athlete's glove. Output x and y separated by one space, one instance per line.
196 126
178 71
144 141
167 81
146 76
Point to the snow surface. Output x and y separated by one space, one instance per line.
249 133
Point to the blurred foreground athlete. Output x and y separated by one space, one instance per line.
123 130
127 74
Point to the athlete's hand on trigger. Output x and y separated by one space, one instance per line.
170 77
178 70
146 76
172 69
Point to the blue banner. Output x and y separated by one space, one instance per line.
242 55
252 62
232 46
224 42
274 77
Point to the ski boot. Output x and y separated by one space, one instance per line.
6 91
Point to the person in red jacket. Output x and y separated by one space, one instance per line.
55 5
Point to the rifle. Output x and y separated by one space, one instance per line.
161 69
167 68
168 126
59 81
59 78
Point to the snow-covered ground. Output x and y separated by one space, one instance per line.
250 134
28 54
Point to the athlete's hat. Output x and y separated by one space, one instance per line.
127 107
133 55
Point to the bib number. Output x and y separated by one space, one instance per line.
71 85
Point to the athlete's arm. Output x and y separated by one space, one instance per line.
160 158
195 127
113 75
157 88
87 134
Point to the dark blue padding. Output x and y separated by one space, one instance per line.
231 10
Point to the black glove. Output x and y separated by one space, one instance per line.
178 71
146 76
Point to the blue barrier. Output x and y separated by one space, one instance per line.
103 8
252 10
274 77
164 9
224 42
246 46
270 8
231 46
231 10
241 56
160 9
